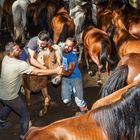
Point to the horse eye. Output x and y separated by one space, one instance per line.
53 61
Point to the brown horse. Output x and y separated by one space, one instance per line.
97 45
126 71
125 42
104 19
40 14
6 22
115 96
132 21
63 26
51 58
111 122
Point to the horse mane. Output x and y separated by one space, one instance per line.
115 81
121 119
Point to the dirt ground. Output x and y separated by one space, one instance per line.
57 110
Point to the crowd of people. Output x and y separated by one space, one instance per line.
17 62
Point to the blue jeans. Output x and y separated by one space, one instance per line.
72 86
18 106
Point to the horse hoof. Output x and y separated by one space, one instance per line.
99 82
42 113
90 73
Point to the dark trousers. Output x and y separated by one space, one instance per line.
18 106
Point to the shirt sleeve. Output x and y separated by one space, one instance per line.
24 67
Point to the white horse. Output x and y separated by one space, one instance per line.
78 14
19 8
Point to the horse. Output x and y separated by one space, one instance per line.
97 45
124 74
125 42
117 121
80 12
115 96
19 8
104 18
6 24
132 20
51 58
40 14
62 25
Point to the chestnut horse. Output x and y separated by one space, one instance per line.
62 26
117 121
51 58
126 71
125 42
115 96
97 45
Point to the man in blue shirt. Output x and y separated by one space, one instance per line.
72 79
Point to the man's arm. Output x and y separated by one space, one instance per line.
58 70
33 61
70 69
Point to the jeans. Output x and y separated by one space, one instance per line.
70 87
18 106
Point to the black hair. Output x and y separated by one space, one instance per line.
44 35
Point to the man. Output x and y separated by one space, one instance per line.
35 45
72 79
10 83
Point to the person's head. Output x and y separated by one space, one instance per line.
69 44
12 49
43 39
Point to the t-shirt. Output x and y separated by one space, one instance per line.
11 77
71 57
32 44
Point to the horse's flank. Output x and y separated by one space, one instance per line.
114 96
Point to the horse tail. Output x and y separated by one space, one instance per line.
104 55
64 33
115 81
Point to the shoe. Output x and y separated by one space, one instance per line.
5 125
85 109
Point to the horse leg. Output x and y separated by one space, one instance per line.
87 62
47 99
27 96
24 28
95 59
80 46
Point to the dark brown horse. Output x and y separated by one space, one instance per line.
97 45
132 20
117 121
51 58
40 14
126 71
63 26
6 22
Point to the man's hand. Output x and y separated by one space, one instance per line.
60 70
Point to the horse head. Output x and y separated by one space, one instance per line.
51 57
